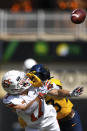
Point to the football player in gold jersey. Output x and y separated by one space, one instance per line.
63 106
68 118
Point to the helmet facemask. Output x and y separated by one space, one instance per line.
23 84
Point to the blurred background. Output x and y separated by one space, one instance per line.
42 30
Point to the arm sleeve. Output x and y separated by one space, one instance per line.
5 101
14 100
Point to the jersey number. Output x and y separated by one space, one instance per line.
56 105
40 113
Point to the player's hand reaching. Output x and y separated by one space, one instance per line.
77 92
44 89
42 92
47 85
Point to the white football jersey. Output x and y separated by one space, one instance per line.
41 117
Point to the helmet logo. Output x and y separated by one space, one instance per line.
6 83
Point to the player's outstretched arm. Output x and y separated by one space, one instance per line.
24 106
61 93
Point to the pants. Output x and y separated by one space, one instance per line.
73 124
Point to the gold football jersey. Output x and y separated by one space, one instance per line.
63 106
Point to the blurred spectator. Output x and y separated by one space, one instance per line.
67 4
28 63
70 4
29 5
22 5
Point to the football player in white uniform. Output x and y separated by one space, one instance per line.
28 102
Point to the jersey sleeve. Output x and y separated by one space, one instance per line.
6 100
12 100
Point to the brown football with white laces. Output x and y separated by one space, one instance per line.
78 16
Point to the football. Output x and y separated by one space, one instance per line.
78 16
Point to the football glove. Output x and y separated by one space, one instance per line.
35 81
76 92
43 90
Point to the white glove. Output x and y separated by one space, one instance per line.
76 92
41 92
45 88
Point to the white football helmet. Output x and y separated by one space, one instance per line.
15 82
28 63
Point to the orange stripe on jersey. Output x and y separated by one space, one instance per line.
40 111
33 118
